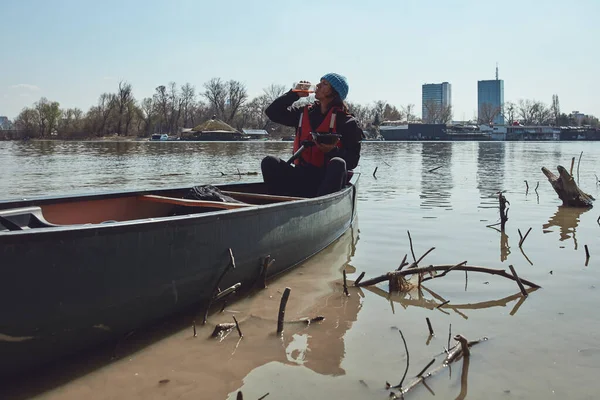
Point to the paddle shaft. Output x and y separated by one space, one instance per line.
298 153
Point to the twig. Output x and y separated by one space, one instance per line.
306 321
231 264
536 186
464 345
572 165
524 237
345 284
262 397
266 264
587 252
434 169
449 335
466 280
282 304
375 172
446 271
416 263
527 187
443 304
503 211
425 369
227 291
411 247
453 355
357 281
237 325
407 362
432 268
404 263
521 287
429 326
578 166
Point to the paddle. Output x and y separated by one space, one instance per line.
305 144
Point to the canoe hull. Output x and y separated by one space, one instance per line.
64 290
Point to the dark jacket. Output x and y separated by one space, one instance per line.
346 125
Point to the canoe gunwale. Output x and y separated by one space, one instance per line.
167 221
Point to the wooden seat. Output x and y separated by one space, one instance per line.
193 203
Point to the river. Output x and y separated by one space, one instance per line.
544 346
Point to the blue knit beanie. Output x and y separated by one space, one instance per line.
338 82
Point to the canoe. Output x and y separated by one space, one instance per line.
81 270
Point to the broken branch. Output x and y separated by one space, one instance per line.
491 271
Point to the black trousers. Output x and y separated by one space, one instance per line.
303 180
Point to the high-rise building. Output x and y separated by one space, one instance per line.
490 101
435 95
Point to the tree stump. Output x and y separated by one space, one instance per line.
564 185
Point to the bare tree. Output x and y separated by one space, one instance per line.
488 113
409 111
236 97
555 108
534 112
509 112
364 114
391 113
437 113
216 94
122 99
274 91
188 96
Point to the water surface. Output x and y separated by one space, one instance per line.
547 346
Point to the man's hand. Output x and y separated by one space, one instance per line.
300 92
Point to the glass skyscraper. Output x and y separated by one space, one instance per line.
439 94
490 101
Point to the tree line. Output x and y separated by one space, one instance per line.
173 107
534 112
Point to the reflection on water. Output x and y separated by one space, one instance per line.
490 172
566 219
436 187
416 298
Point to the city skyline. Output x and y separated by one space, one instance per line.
72 52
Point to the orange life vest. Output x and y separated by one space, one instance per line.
313 155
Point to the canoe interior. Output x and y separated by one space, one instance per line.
126 207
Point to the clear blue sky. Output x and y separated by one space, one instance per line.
73 50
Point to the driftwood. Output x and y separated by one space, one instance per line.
453 354
434 268
564 185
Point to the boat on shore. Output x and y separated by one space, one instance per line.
82 270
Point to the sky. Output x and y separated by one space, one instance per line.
71 51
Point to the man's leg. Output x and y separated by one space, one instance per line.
335 177
277 174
